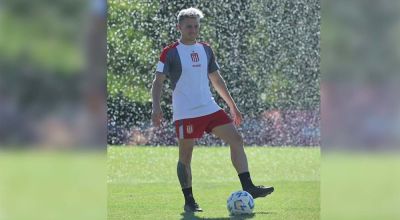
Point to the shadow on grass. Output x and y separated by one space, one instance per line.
265 213
191 216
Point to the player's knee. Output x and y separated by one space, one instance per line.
185 158
238 139
184 161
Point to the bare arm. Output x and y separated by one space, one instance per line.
219 84
156 91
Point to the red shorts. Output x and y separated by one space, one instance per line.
195 127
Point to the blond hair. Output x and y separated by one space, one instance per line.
189 13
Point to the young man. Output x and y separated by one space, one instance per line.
190 65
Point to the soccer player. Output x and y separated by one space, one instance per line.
190 65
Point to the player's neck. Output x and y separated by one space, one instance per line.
187 42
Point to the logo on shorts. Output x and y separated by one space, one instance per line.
189 129
195 57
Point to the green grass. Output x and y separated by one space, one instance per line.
142 182
41 185
360 185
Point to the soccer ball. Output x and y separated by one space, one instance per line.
240 202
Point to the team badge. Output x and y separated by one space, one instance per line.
189 129
195 57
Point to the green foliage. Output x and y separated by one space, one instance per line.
122 84
42 35
267 57
131 52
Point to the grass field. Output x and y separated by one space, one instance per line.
142 182
41 185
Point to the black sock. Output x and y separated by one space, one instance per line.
245 180
187 192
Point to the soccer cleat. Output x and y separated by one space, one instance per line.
259 191
192 207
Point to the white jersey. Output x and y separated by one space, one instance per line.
188 66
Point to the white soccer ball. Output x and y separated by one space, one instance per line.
240 202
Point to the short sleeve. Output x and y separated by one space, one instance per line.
163 65
212 65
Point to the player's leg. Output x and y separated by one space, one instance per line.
185 157
185 174
232 137
229 135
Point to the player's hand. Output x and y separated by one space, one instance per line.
237 116
156 116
